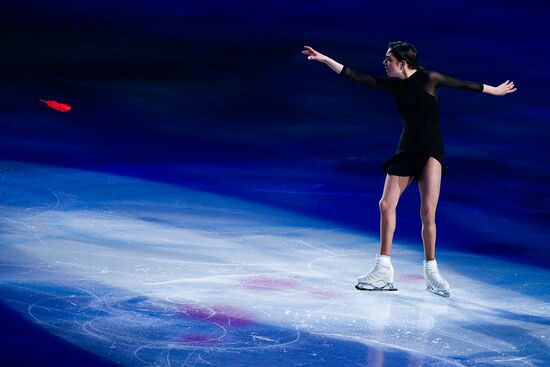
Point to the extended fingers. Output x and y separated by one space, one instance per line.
508 87
308 51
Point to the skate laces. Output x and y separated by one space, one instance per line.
376 272
433 276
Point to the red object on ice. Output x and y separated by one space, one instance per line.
57 106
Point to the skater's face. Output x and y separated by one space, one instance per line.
393 67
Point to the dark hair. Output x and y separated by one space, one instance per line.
404 51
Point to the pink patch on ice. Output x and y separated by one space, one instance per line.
416 278
222 315
196 312
200 340
326 293
268 284
232 316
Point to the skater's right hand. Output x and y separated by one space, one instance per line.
313 55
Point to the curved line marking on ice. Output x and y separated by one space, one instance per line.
371 341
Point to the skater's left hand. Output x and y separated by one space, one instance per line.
505 88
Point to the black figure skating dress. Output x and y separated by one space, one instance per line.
416 99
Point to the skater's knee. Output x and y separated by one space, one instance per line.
386 206
427 214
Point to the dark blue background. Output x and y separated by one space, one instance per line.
217 96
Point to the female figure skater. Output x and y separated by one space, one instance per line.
419 155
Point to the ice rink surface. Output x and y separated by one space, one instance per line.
149 274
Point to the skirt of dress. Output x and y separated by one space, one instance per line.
410 164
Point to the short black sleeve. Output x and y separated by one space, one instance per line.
388 84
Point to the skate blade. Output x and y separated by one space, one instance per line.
438 293
369 287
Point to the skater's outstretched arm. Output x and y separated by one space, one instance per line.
389 84
440 80
317 56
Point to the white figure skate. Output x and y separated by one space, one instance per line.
435 283
379 278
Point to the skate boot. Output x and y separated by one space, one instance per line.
379 278
434 281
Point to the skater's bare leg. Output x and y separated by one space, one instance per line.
393 188
380 277
429 187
